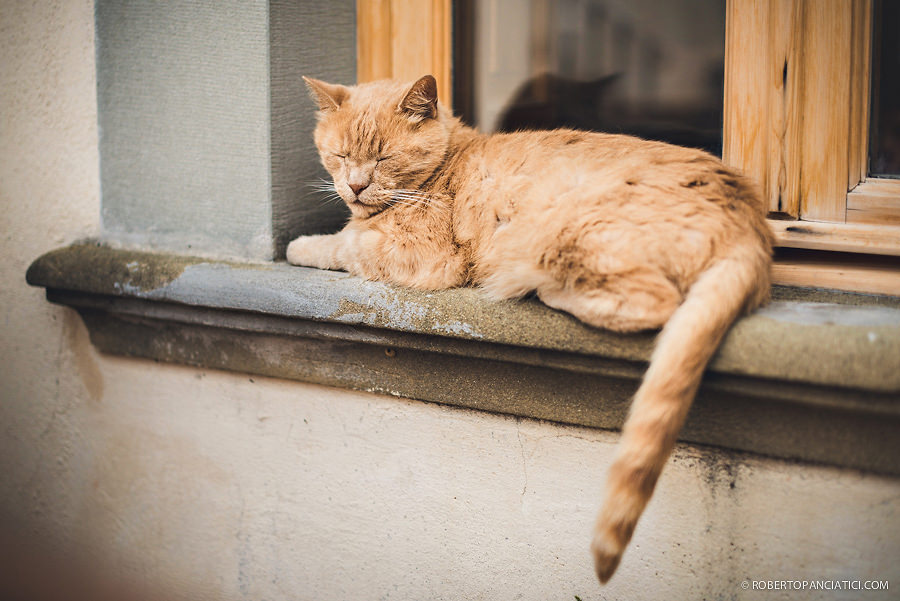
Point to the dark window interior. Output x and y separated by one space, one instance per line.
650 68
884 128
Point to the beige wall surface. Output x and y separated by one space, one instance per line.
209 485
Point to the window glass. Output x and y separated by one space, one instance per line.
651 68
884 130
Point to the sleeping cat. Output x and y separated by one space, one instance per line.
622 233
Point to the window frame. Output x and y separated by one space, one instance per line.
405 39
781 58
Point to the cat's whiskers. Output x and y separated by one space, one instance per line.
418 205
418 199
397 201
326 187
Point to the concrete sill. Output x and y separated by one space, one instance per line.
814 376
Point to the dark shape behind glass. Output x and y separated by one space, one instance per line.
550 101
649 68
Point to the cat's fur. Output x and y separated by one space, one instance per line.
623 233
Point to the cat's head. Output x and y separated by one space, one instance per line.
379 138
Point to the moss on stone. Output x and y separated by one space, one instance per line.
93 267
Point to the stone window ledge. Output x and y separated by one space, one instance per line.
814 376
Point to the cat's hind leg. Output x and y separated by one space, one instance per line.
628 305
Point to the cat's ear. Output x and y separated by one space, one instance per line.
420 102
328 96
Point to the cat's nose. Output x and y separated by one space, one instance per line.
358 188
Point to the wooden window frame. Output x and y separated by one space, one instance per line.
405 39
782 57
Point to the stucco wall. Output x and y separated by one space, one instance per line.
222 486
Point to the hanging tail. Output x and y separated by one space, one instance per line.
684 347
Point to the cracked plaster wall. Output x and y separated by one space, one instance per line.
209 485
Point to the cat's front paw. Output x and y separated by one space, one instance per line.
298 252
322 251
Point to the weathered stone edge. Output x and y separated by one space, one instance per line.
853 347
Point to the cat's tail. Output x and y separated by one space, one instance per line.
687 342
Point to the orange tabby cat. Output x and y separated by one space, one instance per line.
623 233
